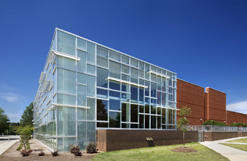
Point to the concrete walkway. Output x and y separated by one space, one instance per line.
6 145
230 153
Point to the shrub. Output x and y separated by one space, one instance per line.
25 152
239 124
20 146
55 153
75 149
91 148
41 153
212 122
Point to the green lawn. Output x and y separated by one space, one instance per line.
237 146
161 153
244 140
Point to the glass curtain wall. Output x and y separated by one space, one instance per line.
97 87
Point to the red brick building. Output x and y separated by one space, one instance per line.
208 104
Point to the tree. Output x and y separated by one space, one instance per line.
27 116
183 122
4 121
25 132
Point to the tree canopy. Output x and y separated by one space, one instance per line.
4 121
27 116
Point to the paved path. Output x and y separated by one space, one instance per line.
230 153
6 145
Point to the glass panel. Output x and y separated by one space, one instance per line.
153 122
115 94
125 59
114 85
91 53
82 65
146 108
147 89
114 55
102 124
82 135
141 109
125 125
147 69
114 119
102 75
158 111
81 78
91 111
141 73
125 69
114 104
134 62
134 113
90 69
102 110
65 43
68 142
134 75
114 69
91 133
141 95
163 116
153 110
102 93
134 94
82 93
90 86
102 56
66 99
153 77
141 64
141 121
153 90
66 81
158 122
163 84
163 99
82 44
146 121
125 112
159 98
125 77
81 114
158 83
66 121
66 62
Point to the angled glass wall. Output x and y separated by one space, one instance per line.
86 86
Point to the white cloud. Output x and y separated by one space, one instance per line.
238 107
11 96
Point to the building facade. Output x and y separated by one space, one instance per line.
86 86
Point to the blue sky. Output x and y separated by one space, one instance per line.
204 42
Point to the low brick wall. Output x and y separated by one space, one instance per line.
211 136
111 140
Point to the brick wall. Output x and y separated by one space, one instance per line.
111 140
194 97
235 117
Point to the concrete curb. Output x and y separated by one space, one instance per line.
6 145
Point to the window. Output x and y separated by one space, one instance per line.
66 81
114 69
125 112
65 43
102 56
82 92
102 110
134 93
114 119
82 66
134 113
114 105
102 75
82 44
114 55
90 53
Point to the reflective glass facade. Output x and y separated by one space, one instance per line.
86 86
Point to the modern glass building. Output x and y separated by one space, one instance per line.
86 86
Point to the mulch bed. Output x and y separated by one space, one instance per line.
13 155
184 149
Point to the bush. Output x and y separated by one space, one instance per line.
25 152
91 148
55 153
41 153
239 124
75 149
20 146
212 122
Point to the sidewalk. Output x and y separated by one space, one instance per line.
230 153
6 145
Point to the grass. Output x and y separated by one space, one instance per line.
244 140
236 146
162 153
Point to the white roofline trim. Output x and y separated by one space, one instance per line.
66 105
159 74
